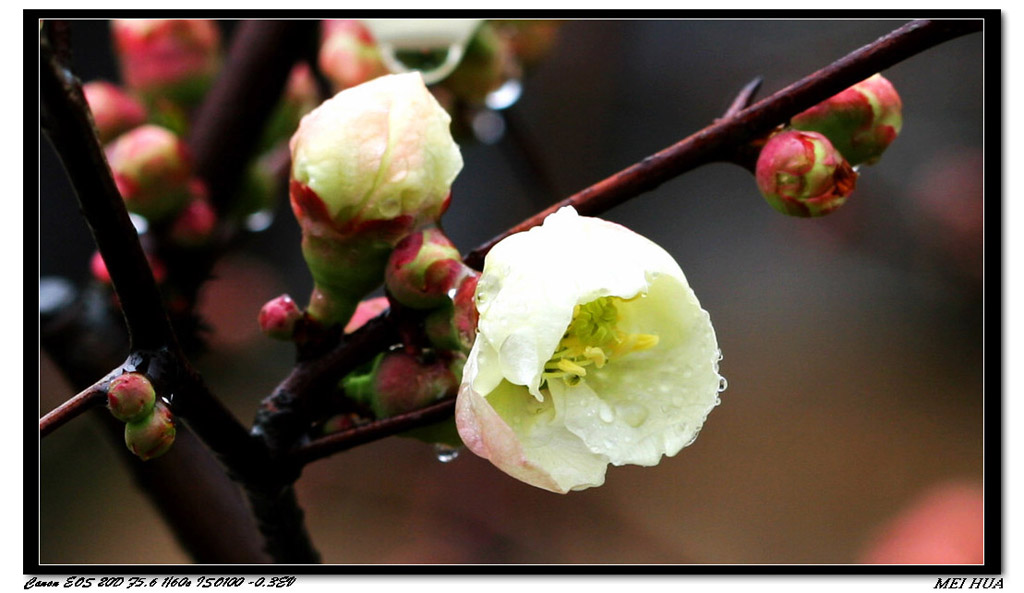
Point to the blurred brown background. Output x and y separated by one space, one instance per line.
853 343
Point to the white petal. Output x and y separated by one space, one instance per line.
522 437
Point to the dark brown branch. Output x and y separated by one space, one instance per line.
719 141
229 122
367 433
77 405
68 124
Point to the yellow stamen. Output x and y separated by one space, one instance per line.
593 338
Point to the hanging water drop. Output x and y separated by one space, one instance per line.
723 384
446 453
259 221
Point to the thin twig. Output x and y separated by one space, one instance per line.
77 405
743 98
717 141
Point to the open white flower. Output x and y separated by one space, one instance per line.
591 349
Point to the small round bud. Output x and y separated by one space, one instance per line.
113 111
151 169
348 54
422 269
400 382
151 436
860 122
195 224
801 174
173 59
130 397
453 326
279 316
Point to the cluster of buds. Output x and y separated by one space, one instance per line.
149 426
369 167
808 169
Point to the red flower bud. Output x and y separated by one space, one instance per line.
801 174
860 122
423 268
174 59
152 435
348 54
151 169
195 224
278 317
399 382
130 397
113 111
453 326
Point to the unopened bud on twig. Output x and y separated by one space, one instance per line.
369 166
195 224
151 169
860 122
400 382
130 397
279 316
171 59
423 268
453 325
801 174
349 56
152 435
113 111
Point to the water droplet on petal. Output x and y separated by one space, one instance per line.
723 384
446 453
632 413
606 413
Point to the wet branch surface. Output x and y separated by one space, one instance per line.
267 462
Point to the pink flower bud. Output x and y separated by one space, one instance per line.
801 174
195 224
348 54
176 59
453 326
113 111
399 382
152 435
151 169
860 122
279 316
99 268
422 269
130 397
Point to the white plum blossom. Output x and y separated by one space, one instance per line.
591 349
